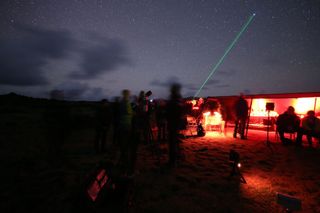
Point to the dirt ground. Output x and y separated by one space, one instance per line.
33 182
201 181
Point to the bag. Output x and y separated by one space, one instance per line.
200 131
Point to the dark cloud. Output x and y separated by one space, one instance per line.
189 94
222 86
159 83
190 87
246 91
80 91
209 85
167 83
105 56
226 72
171 80
213 82
22 59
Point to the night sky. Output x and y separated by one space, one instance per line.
92 49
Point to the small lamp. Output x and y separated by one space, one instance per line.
234 157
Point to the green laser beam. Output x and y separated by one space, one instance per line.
226 52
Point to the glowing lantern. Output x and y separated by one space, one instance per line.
212 120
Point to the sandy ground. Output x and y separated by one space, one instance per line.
201 181
32 182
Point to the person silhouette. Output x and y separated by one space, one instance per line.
103 122
287 122
174 117
310 127
241 113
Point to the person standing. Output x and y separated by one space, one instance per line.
161 120
241 113
103 122
174 117
125 126
115 119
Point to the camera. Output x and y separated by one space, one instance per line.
234 156
269 106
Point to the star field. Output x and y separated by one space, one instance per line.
94 49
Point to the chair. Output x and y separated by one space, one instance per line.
191 124
214 123
292 135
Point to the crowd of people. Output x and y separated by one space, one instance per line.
287 122
290 122
131 119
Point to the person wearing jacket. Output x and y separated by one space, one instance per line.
310 127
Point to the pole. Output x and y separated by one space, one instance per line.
248 119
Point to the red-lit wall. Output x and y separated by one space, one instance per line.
301 105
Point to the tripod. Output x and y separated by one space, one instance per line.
268 130
234 158
236 171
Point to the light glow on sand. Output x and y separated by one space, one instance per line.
256 184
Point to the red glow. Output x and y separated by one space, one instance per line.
96 185
256 184
301 105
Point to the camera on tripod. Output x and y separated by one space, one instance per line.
234 156
269 106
